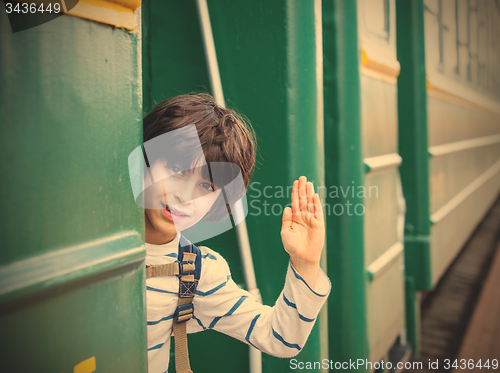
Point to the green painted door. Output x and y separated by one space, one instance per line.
71 257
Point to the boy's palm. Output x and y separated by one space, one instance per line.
303 228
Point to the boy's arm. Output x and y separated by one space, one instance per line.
281 330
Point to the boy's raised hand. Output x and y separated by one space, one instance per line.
303 230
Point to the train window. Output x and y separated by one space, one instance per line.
460 41
376 17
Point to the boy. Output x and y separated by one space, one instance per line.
207 149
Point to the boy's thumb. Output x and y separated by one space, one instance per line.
287 216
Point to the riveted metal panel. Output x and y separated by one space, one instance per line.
71 263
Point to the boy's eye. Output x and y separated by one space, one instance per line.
207 186
176 170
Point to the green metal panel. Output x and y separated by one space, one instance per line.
344 164
412 316
172 49
71 262
267 59
413 148
272 80
412 111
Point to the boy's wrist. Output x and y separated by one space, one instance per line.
308 270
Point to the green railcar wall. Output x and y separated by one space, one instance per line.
267 60
463 106
71 257
449 113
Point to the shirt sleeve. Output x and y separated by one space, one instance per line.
281 330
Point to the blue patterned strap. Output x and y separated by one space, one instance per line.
189 258
189 275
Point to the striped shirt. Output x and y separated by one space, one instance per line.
220 304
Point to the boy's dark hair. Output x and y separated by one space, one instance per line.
223 134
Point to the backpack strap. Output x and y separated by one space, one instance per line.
188 268
171 269
189 258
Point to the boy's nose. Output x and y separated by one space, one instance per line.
185 193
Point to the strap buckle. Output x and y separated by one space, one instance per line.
186 268
183 313
187 265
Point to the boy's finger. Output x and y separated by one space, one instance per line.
318 209
295 197
302 193
310 192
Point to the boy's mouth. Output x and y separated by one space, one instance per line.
173 214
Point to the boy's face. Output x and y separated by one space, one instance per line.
180 200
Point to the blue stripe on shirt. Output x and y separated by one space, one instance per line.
293 305
250 329
297 275
218 287
288 303
229 313
209 256
158 346
162 319
199 322
287 344
306 319
172 255
161 291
